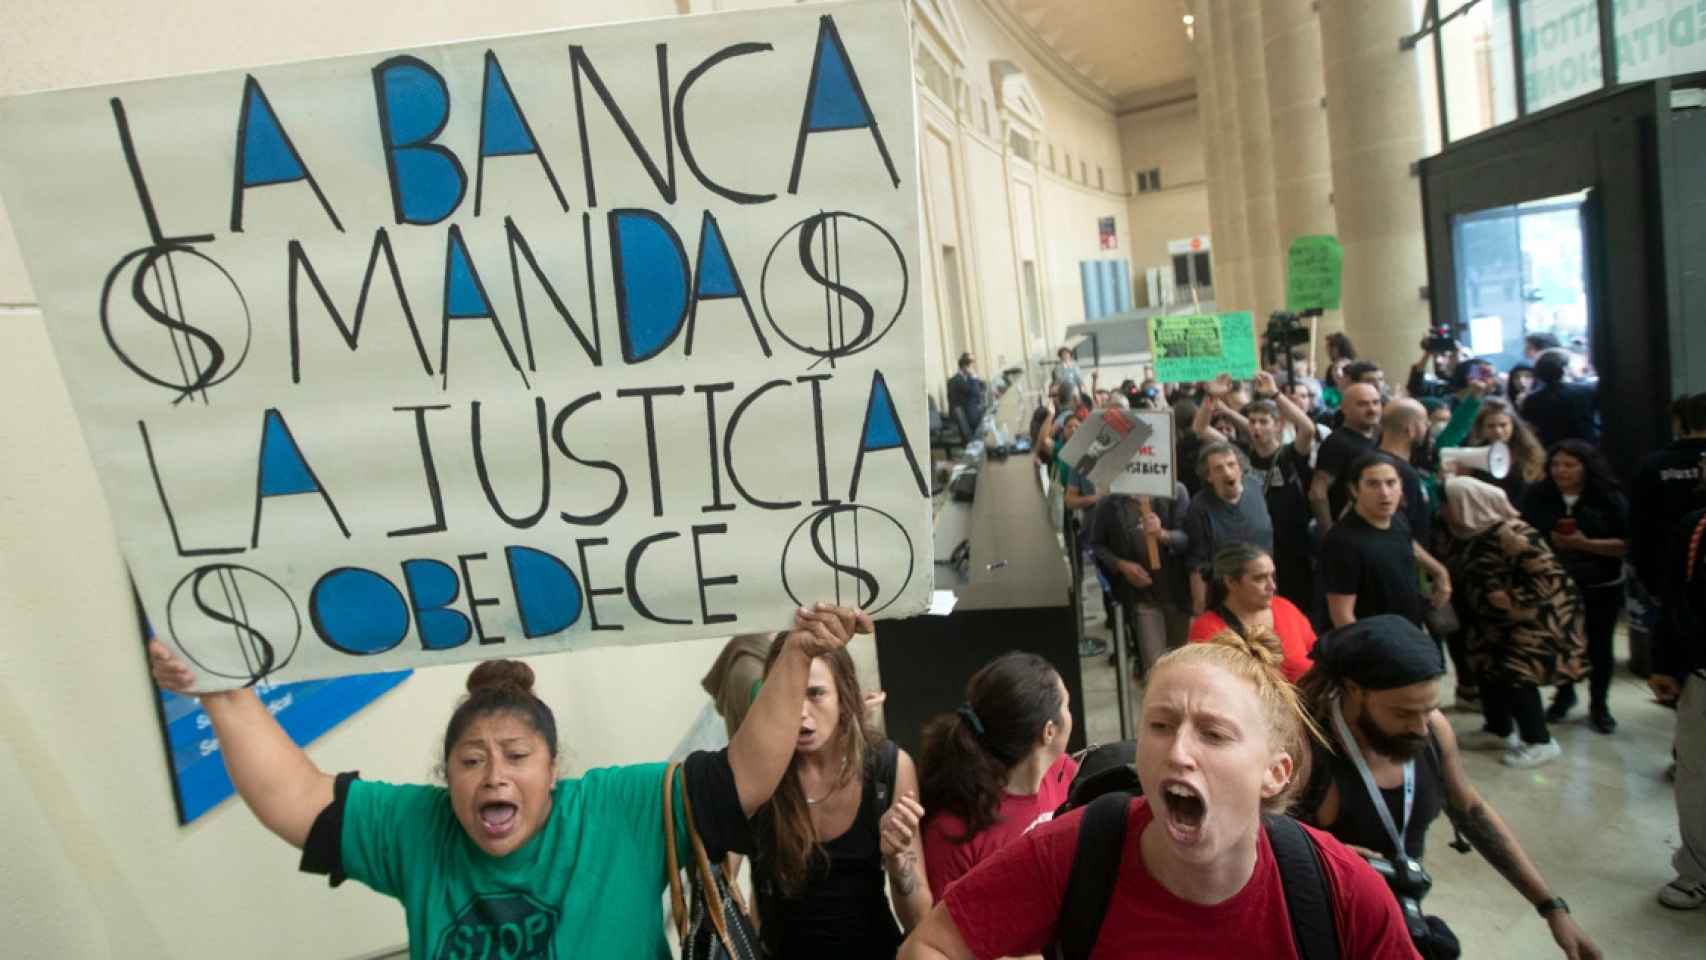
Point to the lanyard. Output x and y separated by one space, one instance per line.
1395 831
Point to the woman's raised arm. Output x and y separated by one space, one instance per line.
271 773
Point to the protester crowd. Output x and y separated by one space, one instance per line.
1290 607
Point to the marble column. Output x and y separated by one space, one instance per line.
1220 200
1375 131
1235 284
1266 254
1297 117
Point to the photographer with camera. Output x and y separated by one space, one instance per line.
1391 765
1441 352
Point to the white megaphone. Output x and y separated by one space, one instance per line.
1494 458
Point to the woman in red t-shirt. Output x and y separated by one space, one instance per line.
996 767
1244 599
1197 875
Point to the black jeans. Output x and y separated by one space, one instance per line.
1501 703
1603 605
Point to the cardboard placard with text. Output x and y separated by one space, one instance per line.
1203 346
1151 470
495 348
1314 273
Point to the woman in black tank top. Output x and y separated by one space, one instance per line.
843 910
844 818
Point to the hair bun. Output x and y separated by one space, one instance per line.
1262 645
501 676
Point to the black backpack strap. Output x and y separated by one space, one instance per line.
1095 869
1308 898
1232 620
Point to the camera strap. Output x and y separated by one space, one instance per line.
1396 831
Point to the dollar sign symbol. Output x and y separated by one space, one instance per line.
892 556
152 270
817 245
257 650
831 558
263 624
828 226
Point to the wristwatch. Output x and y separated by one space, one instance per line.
1545 908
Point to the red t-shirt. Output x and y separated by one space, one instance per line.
1010 904
945 860
1296 635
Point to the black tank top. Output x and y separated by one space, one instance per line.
1359 822
843 912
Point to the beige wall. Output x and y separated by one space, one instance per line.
101 868
1168 138
1068 202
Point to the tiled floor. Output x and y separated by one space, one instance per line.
1600 822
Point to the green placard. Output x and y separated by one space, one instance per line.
1313 274
1203 346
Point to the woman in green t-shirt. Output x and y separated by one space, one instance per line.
507 859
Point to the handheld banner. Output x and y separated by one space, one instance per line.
1203 346
500 347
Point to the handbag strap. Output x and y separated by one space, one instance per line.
719 919
677 904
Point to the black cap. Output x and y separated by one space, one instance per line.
1380 653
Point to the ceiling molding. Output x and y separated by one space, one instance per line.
1015 26
1156 97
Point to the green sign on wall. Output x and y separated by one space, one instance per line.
1313 274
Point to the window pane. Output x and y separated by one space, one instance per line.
1659 38
1205 277
1560 48
1181 271
1480 75
1522 270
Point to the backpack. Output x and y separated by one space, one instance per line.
1095 869
1102 768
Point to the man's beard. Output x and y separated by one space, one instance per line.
1401 748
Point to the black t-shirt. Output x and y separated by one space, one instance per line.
1284 477
1335 457
1377 566
1415 508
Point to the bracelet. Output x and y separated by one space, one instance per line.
1547 908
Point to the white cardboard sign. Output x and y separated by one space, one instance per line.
1150 471
498 347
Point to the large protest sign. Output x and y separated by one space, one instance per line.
1314 273
495 348
1203 346
1150 471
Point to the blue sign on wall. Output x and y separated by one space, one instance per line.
305 710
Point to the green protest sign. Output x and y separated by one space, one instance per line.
1203 346
1313 273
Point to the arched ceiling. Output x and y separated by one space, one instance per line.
1132 52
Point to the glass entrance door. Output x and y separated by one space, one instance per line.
1523 269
